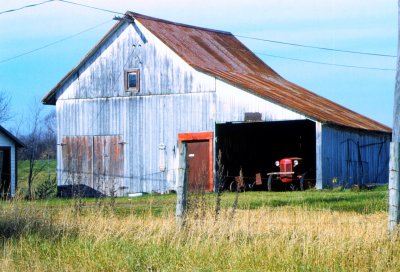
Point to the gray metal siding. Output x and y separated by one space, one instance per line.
353 156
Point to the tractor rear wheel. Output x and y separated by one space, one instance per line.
269 184
233 186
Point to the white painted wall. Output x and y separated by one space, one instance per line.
233 103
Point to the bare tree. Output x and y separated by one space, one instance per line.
49 139
5 114
32 143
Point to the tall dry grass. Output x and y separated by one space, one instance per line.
266 239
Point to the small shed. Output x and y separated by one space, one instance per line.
8 162
151 84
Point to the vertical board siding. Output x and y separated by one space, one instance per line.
354 157
149 122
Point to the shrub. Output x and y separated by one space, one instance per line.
47 189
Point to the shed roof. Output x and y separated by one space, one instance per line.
17 142
222 55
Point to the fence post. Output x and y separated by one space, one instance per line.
181 190
394 168
394 165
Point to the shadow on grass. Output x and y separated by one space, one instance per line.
18 221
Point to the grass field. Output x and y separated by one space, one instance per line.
290 231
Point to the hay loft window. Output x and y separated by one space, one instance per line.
132 80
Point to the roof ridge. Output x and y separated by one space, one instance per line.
134 14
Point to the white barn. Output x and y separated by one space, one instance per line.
8 162
150 84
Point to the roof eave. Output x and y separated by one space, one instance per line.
387 129
17 141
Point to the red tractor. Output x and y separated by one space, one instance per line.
291 173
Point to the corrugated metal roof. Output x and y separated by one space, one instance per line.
222 55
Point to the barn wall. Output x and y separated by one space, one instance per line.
233 103
353 156
174 98
7 142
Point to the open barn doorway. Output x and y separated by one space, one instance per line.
5 171
255 147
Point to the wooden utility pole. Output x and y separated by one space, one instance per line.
181 190
394 164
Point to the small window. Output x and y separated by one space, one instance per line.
132 80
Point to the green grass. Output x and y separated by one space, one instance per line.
366 201
362 202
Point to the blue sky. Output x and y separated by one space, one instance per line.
368 26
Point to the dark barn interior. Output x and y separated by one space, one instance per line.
255 146
5 171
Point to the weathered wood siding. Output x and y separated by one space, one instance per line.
353 156
173 98
6 142
233 103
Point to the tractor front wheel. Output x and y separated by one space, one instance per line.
234 186
302 182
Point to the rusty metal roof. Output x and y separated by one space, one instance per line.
222 55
